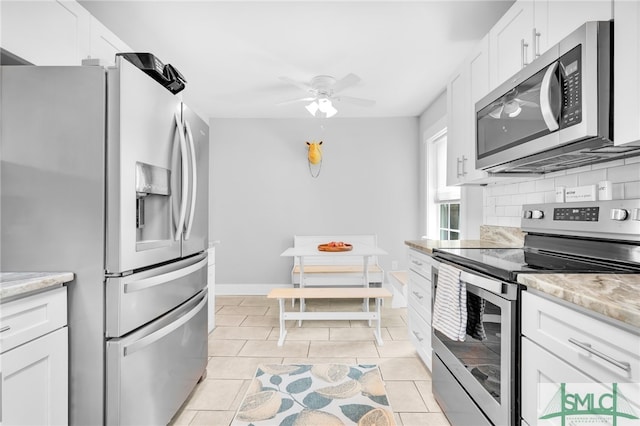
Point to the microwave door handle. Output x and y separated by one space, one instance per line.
194 180
545 98
185 182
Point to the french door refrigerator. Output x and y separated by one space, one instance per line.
104 173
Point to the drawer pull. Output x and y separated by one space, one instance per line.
587 347
5 328
418 295
415 262
415 333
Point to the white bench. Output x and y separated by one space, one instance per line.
398 281
335 271
329 293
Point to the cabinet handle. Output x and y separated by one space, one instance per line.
415 333
587 347
5 328
536 43
418 295
464 160
523 53
458 162
415 262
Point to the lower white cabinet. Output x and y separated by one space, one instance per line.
563 345
34 360
419 304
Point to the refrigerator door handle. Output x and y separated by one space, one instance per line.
194 180
164 278
185 181
159 334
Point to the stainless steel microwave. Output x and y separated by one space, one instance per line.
556 113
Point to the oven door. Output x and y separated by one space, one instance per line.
480 369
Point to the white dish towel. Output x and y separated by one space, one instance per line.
450 305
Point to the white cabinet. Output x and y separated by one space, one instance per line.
56 32
48 32
530 27
34 359
104 44
626 69
510 42
419 304
563 345
467 86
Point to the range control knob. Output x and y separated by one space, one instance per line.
537 214
526 214
619 214
636 214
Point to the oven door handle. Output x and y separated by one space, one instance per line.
494 286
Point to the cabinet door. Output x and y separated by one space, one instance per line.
105 44
626 69
510 42
51 32
457 124
34 382
557 19
478 88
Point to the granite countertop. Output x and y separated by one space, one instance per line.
427 246
19 284
613 295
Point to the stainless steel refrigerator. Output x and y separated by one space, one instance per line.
104 173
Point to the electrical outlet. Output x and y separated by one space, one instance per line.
394 265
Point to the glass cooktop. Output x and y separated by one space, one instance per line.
507 263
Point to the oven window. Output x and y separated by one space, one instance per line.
480 352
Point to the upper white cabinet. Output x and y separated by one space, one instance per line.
56 32
510 42
464 89
626 66
50 32
530 27
104 44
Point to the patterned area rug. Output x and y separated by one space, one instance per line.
315 395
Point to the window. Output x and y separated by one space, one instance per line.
443 202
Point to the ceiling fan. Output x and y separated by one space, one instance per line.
323 91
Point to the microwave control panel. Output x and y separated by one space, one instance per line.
571 77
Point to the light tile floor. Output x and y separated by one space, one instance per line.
245 336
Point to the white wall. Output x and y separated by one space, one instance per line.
503 201
262 192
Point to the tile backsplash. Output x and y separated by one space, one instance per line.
503 201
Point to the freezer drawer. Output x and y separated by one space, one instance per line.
136 299
151 372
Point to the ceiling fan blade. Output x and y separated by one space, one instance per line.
298 84
292 101
348 81
355 101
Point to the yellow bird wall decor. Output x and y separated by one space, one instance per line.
314 157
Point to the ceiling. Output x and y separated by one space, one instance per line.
233 53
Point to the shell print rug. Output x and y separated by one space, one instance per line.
315 395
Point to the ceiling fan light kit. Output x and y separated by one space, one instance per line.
322 90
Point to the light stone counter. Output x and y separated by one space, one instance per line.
427 246
616 296
19 284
